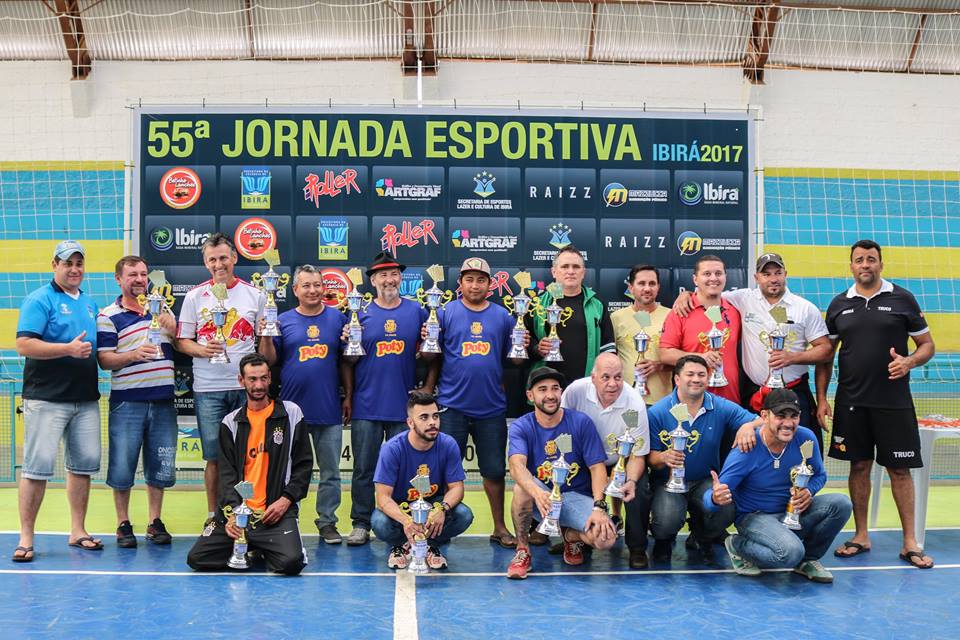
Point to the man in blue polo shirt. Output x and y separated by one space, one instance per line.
142 415
308 352
57 334
759 484
421 450
381 381
476 338
711 418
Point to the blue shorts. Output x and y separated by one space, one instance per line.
575 512
211 407
150 426
46 423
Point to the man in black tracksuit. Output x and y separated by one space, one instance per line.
265 443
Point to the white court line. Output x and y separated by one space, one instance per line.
405 607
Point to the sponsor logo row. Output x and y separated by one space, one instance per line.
359 189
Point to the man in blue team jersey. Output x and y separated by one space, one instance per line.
381 381
476 337
308 352
759 484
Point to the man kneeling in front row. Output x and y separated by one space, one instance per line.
266 444
532 453
422 450
759 483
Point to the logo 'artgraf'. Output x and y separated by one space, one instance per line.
161 238
388 188
691 193
180 188
255 188
560 235
458 236
615 194
254 237
333 239
484 184
689 243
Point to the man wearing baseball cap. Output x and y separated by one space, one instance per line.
381 381
759 483
57 334
532 452
806 337
475 335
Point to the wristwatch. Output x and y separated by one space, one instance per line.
602 505
446 507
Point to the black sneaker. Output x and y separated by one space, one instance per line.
157 533
662 551
125 537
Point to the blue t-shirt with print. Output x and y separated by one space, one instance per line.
399 462
530 439
308 351
718 416
474 346
387 373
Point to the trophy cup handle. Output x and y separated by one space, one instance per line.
508 303
257 280
421 297
284 279
447 297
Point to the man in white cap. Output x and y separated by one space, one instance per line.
57 334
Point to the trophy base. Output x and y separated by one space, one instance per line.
220 358
430 347
238 565
270 332
717 381
354 350
642 389
676 487
791 523
775 383
613 491
549 527
517 352
553 357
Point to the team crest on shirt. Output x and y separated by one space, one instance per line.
278 436
313 332
476 328
423 470
390 326
550 448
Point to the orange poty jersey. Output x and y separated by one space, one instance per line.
257 459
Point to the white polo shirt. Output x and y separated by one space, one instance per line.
581 396
804 325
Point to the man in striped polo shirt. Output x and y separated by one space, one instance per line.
142 415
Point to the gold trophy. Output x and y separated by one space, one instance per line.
354 304
519 305
799 477
241 514
714 340
159 299
270 283
678 441
218 315
559 470
642 342
625 443
433 298
556 315
776 340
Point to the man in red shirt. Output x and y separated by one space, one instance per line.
687 336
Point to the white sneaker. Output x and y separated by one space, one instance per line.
358 536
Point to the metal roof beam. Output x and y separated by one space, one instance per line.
758 44
71 26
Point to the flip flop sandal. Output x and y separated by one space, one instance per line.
25 557
849 544
909 556
78 543
506 540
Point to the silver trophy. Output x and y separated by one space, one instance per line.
420 512
641 341
354 305
218 316
155 303
800 477
433 298
270 283
519 305
559 470
241 514
776 341
714 340
556 315
625 443
678 441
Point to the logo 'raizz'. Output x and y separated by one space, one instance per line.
484 187
560 235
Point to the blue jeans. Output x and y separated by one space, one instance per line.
764 541
211 407
668 512
327 439
390 531
489 438
45 423
366 436
150 426
575 511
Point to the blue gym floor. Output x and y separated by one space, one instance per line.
348 592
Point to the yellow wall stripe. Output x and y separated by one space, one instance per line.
8 328
36 256
864 174
62 165
804 261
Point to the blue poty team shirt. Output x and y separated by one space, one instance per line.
538 444
308 350
52 315
399 462
759 486
475 344
716 417
386 374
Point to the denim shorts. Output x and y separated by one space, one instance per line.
46 423
575 512
150 426
211 407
